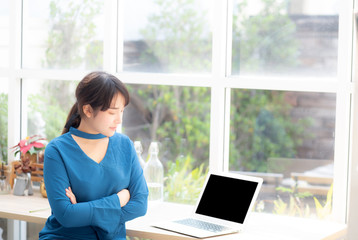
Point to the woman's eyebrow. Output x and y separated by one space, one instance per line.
115 108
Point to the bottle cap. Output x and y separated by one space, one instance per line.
154 147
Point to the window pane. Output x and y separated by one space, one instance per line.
63 34
48 103
288 139
167 36
3 119
4 33
279 37
178 118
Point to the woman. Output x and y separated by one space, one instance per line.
93 178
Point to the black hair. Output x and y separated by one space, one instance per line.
98 90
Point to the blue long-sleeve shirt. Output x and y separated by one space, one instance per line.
98 213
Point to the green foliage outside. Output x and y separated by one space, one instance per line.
3 127
176 113
177 37
71 41
295 207
264 42
323 210
54 102
71 44
290 202
184 182
261 127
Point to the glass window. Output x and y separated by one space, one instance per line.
48 104
285 37
179 119
63 34
167 36
288 139
4 33
3 119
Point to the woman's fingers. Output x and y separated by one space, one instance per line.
70 195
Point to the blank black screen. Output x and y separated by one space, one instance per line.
227 198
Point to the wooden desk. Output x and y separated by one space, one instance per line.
21 207
260 226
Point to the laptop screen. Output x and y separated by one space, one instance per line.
227 198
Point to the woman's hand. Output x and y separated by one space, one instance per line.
124 197
70 195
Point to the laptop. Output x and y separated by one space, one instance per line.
222 208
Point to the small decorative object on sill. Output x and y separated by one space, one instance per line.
139 149
153 173
23 185
4 184
28 148
41 156
43 189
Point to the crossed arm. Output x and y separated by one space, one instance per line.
123 196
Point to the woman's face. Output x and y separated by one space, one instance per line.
106 122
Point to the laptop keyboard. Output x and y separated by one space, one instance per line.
211 227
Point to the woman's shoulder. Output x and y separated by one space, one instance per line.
59 140
121 138
57 143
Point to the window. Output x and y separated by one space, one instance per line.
179 119
63 34
287 138
167 37
262 87
274 37
4 30
48 103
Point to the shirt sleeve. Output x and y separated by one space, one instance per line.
137 205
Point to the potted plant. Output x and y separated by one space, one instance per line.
4 184
28 149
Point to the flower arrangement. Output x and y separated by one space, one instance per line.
27 147
29 144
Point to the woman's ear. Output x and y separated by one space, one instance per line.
87 110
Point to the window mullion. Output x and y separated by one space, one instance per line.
110 38
14 97
217 115
341 157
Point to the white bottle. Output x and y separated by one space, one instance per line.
139 149
154 174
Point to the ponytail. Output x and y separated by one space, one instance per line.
73 119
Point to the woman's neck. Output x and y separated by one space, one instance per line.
85 127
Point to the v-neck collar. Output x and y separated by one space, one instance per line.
78 133
81 134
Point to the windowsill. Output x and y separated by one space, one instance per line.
259 226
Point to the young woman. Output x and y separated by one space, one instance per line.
93 178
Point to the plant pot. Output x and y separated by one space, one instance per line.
4 179
23 185
32 157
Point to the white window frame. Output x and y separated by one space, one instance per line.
344 86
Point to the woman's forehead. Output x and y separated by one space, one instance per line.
118 101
